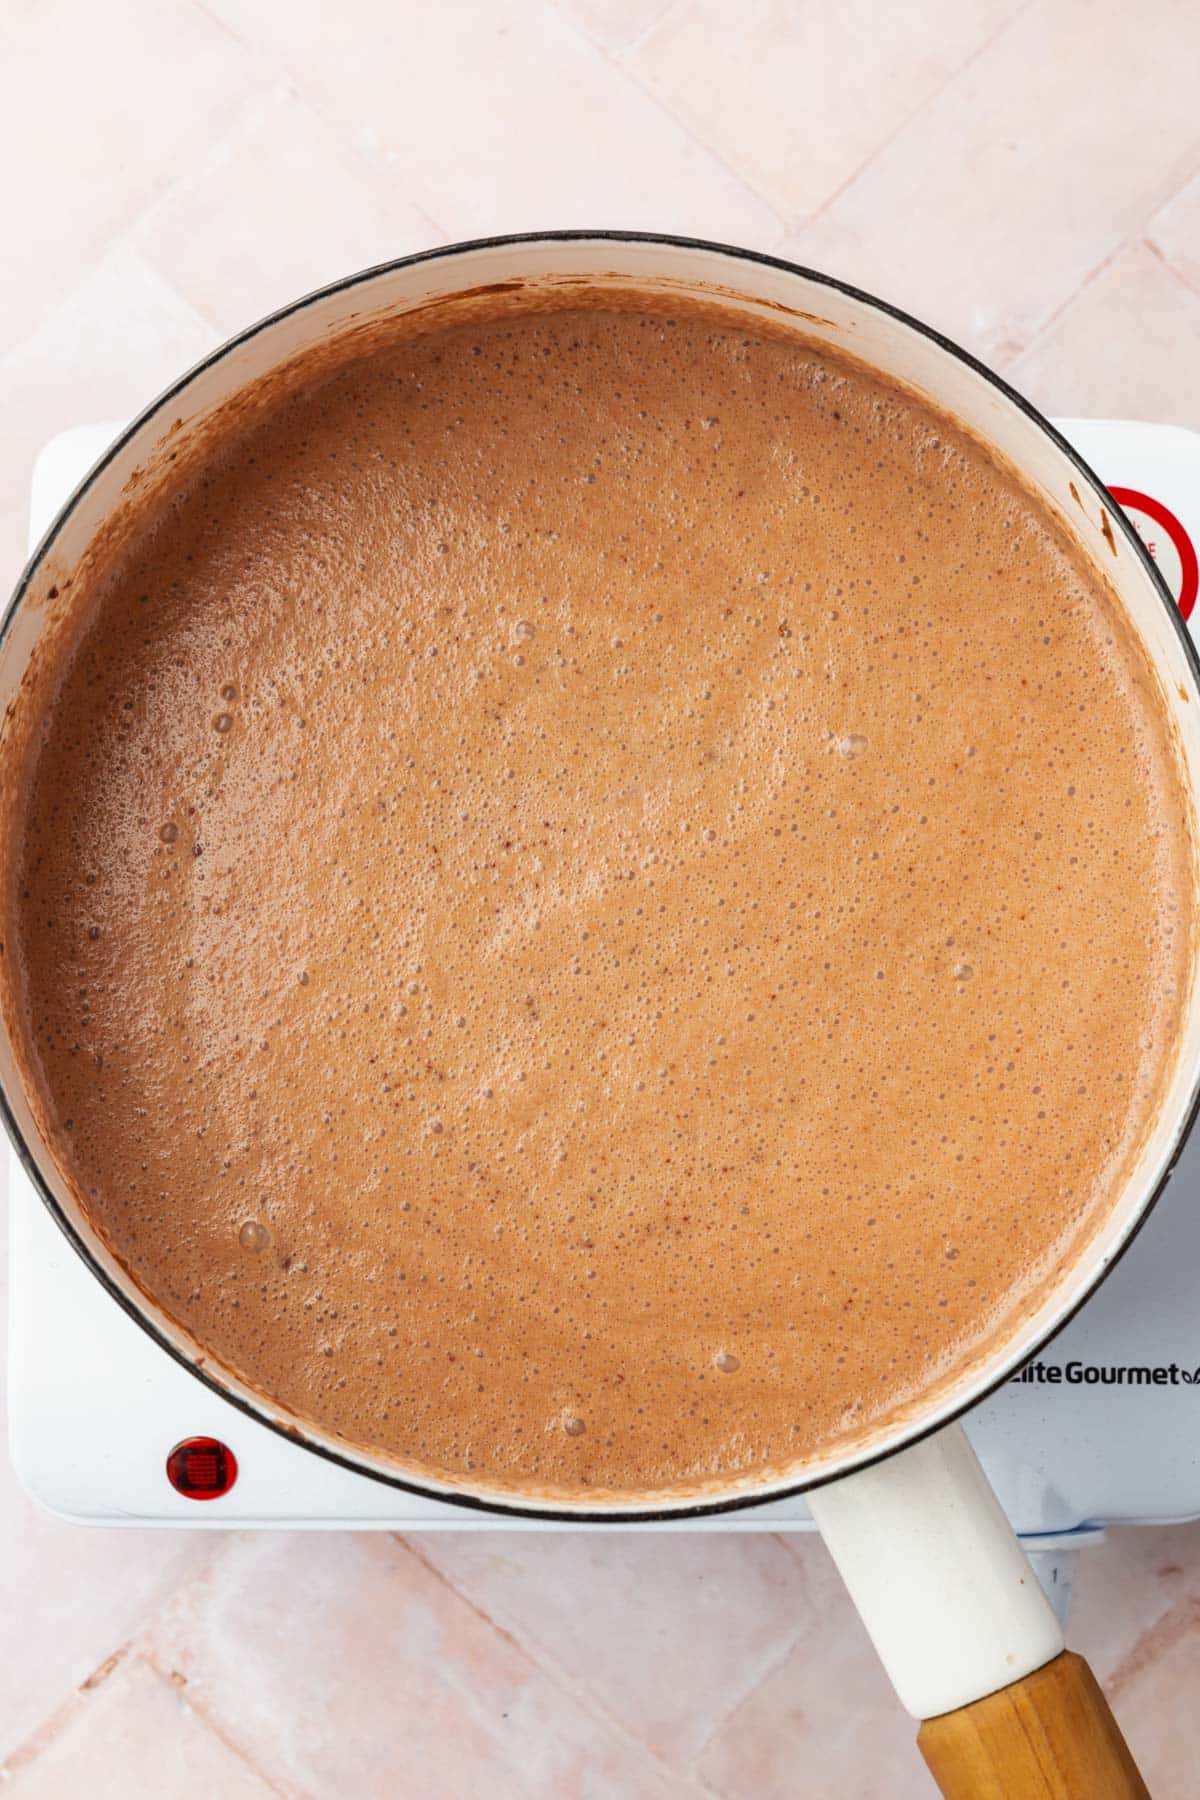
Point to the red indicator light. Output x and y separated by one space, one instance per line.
202 1468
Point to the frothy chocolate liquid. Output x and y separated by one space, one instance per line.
601 902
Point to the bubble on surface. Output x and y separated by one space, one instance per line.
254 1235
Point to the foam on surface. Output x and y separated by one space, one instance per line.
601 901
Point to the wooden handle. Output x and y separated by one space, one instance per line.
1050 1736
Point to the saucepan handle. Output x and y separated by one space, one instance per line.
967 1635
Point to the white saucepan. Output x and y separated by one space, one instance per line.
930 1560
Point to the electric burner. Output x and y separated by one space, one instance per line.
1103 1427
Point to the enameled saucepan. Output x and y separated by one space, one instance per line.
930 1560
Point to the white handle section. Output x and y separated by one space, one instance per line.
935 1570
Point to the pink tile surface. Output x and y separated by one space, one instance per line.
1156 1705
824 1720
482 152
136 1735
991 205
239 233
753 81
1114 349
112 101
110 344
1126 1587
1023 172
1174 231
615 23
69 1598
345 1667
613 1614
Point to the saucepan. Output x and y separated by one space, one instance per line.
959 1620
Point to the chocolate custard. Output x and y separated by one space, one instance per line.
600 901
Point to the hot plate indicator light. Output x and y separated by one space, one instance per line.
202 1468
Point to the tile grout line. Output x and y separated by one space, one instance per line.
788 1539
59 1719
622 46
544 1661
773 1663
117 236
1138 235
786 1542
1043 326
276 69
280 66
215 1548
124 234
616 63
1179 178
929 100
222 25
1171 266
791 225
1162 1636
178 1685
651 25
53 1723
229 115
364 164
767 1673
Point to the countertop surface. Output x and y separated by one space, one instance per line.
1027 177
